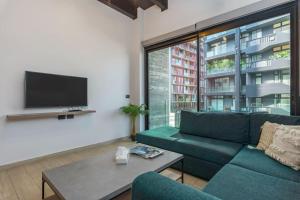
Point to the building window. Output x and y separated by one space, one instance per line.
276 77
258 79
256 58
285 77
258 102
283 26
256 34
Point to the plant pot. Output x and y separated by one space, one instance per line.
133 138
133 130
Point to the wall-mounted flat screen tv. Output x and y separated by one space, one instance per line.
50 90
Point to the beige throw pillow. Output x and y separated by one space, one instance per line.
266 135
285 147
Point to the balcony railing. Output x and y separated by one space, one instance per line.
275 63
184 65
220 70
252 65
220 89
281 109
266 89
219 51
256 109
181 105
184 56
218 35
263 42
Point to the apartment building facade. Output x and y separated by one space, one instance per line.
248 68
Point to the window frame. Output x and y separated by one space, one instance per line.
287 8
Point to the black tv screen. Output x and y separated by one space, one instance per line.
50 90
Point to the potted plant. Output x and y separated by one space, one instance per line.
134 111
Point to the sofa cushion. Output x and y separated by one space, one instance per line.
153 186
232 127
258 119
212 150
266 136
198 167
235 183
256 160
285 147
268 130
159 137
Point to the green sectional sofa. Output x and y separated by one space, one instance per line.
219 147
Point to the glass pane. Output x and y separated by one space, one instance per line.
218 69
266 78
172 83
247 68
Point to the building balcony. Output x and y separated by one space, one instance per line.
264 23
267 65
217 36
184 66
279 109
220 91
213 73
219 53
265 43
266 89
184 57
186 75
255 109
188 48
183 105
184 92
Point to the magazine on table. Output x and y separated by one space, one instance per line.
146 151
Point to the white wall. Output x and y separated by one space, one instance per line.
72 37
185 13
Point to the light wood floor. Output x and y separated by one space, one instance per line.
24 182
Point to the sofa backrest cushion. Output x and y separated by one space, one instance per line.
258 119
232 127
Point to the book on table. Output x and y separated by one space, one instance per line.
146 151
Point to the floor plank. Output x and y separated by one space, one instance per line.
7 191
35 171
23 184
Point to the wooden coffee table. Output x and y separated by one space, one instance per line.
100 177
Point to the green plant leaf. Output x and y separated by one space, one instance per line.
134 110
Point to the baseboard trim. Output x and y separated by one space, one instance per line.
28 161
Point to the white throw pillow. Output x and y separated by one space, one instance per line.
285 146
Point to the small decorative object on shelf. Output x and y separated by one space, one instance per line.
134 111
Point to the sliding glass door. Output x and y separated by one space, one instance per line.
244 68
172 83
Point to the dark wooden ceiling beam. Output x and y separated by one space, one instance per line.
145 4
127 7
163 4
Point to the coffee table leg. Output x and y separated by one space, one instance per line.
43 188
182 173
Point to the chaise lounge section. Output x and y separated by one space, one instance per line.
219 147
